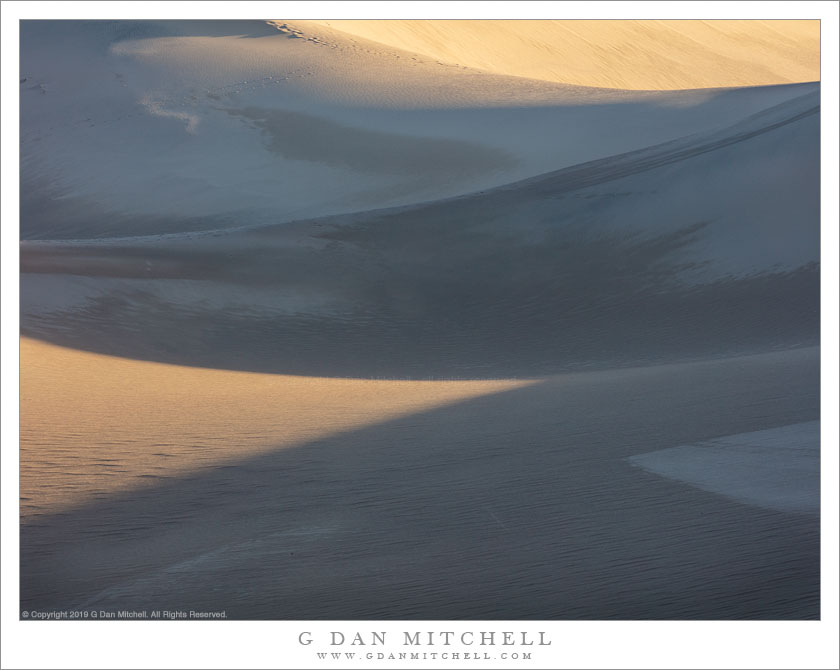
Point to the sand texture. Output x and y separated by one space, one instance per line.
653 55
341 320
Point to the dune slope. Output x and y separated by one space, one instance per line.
703 246
507 505
404 322
131 128
78 442
622 54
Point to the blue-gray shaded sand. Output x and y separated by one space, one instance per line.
657 278
777 468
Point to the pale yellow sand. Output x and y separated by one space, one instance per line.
94 424
639 55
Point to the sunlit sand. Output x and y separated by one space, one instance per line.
92 425
312 121
352 319
658 55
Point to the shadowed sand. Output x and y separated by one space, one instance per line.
197 126
703 247
304 137
516 504
777 468
93 425
317 327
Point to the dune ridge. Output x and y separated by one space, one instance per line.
316 326
159 102
424 515
623 54
517 281
137 423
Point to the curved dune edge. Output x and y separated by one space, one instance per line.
541 276
78 441
312 124
633 55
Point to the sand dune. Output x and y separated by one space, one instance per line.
704 246
504 505
310 126
652 55
777 468
93 425
373 322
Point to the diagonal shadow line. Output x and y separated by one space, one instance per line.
511 505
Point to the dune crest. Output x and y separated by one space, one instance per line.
183 418
637 55
319 327
307 126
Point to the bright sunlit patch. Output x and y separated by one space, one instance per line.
661 55
94 424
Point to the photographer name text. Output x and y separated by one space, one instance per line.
427 638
